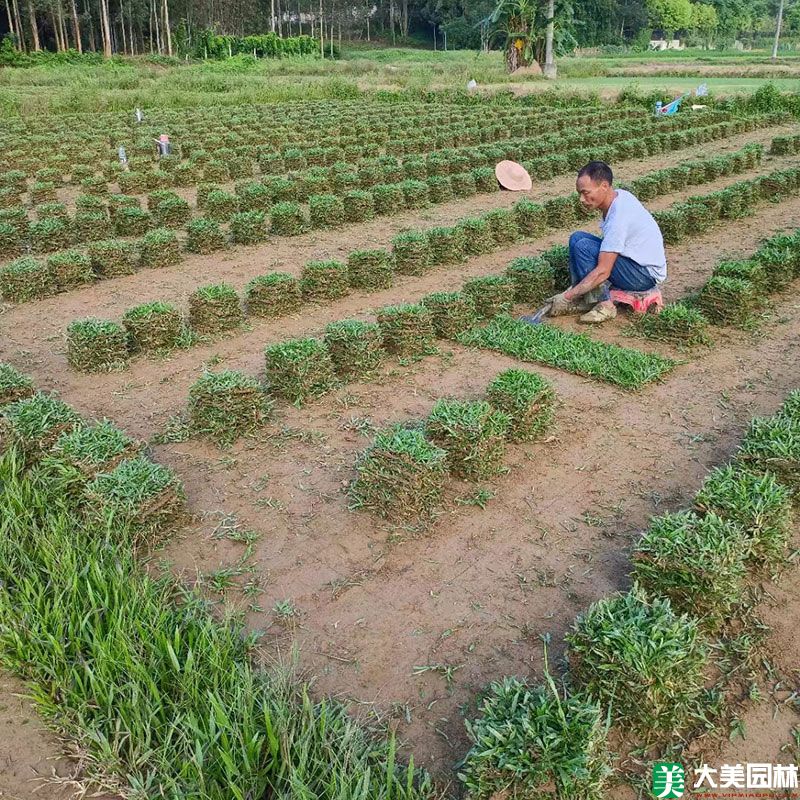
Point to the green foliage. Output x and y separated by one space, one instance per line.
572 352
14 385
204 236
355 347
452 313
34 423
299 369
643 662
78 455
527 399
370 270
171 212
400 476
728 300
214 308
113 257
677 324
324 280
358 206
531 218
48 235
248 227
96 345
226 405
772 444
407 329
70 269
532 278
132 221
411 251
528 741
160 248
491 294
152 327
26 279
478 238
286 219
273 295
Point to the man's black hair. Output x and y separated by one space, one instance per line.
598 171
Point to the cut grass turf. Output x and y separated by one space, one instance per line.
400 476
678 324
528 400
35 422
299 369
96 345
14 385
545 344
356 347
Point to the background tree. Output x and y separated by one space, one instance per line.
705 21
670 15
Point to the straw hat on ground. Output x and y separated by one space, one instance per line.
513 176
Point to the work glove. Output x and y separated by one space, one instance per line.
559 305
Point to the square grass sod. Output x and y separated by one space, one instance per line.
677 323
14 385
492 294
758 504
370 270
273 295
356 347
137 493
226 405
452 313
407 329
35 422
772 444
299 369
401 476
697 562
576 353
215 308
528 400
528 740
153 326
324 280
532 278
473 435
96 345
642 661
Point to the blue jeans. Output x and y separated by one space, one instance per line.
584 250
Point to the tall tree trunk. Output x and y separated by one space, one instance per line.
122 27
299 20
549 63
105 28
321 31
272 15
404 18
92 37
158 28
167 32
131 38
777 32
62 26
76 27
56 30
34 26
392 19
18 25
11 29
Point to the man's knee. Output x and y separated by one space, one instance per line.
582 240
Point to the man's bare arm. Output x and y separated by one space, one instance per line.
605 263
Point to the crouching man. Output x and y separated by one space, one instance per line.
630 256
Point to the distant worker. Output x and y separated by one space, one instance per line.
630 256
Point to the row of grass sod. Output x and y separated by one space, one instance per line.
576 353
157 696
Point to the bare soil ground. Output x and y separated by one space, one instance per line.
470 597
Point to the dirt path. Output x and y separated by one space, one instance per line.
473 594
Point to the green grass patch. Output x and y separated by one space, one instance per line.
14 385
545 344
34 423
491 294
677 323
407 329
215 308
96 345
324 280
411 252
772 444
249 227
160 248
113 257
452 313
473 434
532 278
299 369
370 270
204 236
70 269
273 295
401 476
226 405
25 279
527 399
153 326
356 347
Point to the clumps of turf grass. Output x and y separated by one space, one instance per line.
726 300
324 280
412 254
145 497
215 308
697 562
226 405
677 324
355 347
370 270
26 279
34 423
401 476
758 504
529 741
772 444
446 245
299 369
160 248
527 399
14 385
70 269
576 353
111 258
452 313
491 294
473 433
532 278
273 295
641 661
407 329
153 326
204 236
96 345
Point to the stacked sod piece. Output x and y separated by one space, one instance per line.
477 235
152 327
34 423
531 219
160 248
70 269
642 661
204 236
96 345
528 740
226 405
249 227
139 494
214 308
355 347
527 399
697 562
26 279
532 278
407 329
491 294
299 369
370 270
111 258
473 434
558 259
772 444
677 323
401 476
728 300
274 295
286 219
452 313
503 226
324 280
411 251
446 245
757 504
13 384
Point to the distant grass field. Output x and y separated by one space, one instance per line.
124 85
